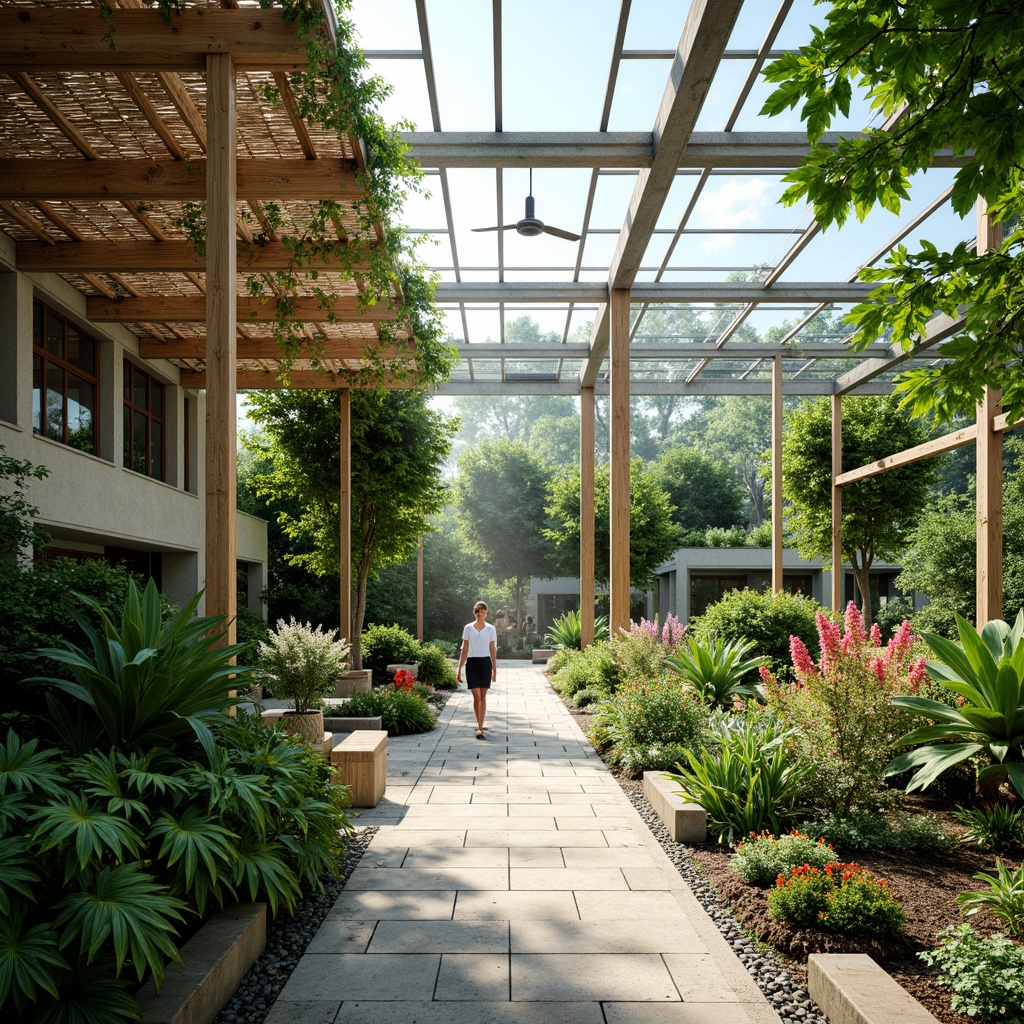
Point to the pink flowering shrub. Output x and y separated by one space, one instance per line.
841 709
642 650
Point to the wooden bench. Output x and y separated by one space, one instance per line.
362 758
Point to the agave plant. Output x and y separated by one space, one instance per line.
986 672
715 669
147 683
567 631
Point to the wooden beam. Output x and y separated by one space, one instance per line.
989 492
777 475
172 256
587 437
75 39
175 180
836 602
619 590
298 380
947 443
192 309
220 309
268 348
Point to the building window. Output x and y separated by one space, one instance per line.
65 384
144 423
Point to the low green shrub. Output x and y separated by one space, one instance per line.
560 659
250 631
302 664
762 858
743 777
650 723
449 648
985 974
898 832
642 650
995 828
401 711
838 898
435 669
588 696
594 668
763 619
1004 898
387 645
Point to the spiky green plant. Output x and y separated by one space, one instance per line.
715 669
567 630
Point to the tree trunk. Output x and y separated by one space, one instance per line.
755 491
860 561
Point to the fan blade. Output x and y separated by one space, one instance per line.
559 233
503 227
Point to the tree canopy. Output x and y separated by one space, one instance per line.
500 492
399 446
653 535
880 512
704 491
942 75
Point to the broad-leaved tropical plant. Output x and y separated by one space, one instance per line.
715 669
567 630
986 672
144 683
1004 898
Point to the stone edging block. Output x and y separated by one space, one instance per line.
216 959
686 823
541 655
851 988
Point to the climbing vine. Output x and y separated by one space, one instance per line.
335 92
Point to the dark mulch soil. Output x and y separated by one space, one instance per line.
927 885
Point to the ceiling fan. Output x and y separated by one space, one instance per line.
530 225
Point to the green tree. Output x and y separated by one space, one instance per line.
880 512
940 560
399 446
941 75
17 528
499 494
653 535
705 492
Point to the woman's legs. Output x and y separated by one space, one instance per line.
479 705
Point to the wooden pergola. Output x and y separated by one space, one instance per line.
101 149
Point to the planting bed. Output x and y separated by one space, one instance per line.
927 885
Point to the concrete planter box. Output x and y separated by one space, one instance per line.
686 822
343 723
359 680
413 669
216 959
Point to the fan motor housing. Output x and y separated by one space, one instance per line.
530 226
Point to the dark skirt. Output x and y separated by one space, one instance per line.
478 673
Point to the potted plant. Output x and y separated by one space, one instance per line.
302 664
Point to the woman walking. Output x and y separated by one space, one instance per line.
480 656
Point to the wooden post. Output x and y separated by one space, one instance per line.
221 334
777 475
619 446
836 603
345 515
419 588
989 480
586 517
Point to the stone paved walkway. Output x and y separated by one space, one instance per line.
513 882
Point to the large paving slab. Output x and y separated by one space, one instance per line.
510 881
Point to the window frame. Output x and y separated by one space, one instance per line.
131 372
48 359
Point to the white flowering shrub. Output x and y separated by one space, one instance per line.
302 664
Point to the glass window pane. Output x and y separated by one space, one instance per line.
128 381
54 403
139 382
139 442
54 335
81 408
156 398
156 450
127 441
81 351
37 324
37 394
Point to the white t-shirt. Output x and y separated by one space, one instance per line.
480 640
